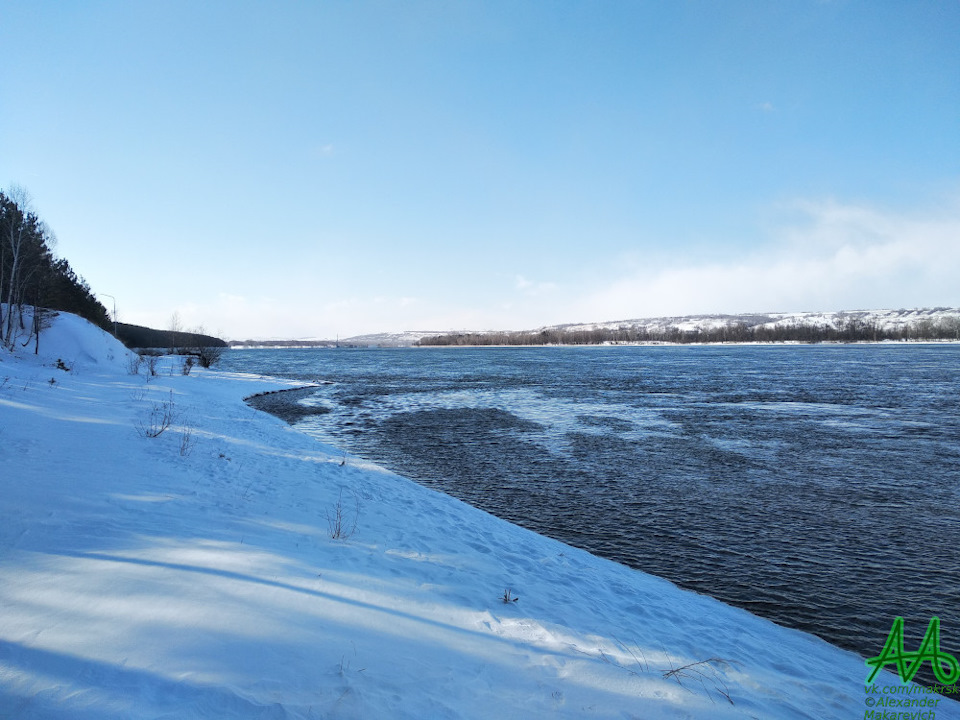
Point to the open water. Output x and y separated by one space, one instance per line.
817 486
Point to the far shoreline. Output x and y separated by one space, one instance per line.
785 343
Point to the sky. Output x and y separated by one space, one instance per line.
322 169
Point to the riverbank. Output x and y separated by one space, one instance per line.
165 550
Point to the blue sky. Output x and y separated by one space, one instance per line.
313 169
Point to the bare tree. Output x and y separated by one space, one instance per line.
23 249
31 275
176 329
41 321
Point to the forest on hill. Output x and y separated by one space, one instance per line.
32 276
852 329
138 336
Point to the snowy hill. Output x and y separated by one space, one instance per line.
166 551
397 339
74 342
889 320
936 324
886 319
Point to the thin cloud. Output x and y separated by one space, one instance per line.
832 257
531 288
821 255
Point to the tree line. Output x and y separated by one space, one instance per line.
138 336
35 283
850 330
31 276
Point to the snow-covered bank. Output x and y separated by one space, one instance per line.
193 574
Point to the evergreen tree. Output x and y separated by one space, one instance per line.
30 275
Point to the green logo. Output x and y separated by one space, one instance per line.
908 663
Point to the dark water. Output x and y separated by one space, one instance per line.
818 486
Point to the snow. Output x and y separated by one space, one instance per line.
884 319
193 575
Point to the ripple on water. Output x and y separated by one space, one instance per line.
816 486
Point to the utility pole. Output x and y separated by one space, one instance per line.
114 311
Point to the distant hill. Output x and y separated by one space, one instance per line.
939 323
137 336
842 326
401 339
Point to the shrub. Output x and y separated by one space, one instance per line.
339 520
151 360
209 356
159 419
187 440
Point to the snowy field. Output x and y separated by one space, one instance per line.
194 575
